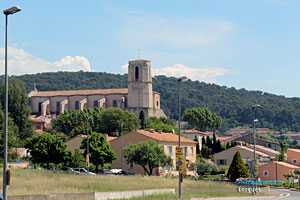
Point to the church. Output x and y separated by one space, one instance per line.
138 98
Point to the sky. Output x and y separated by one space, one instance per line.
251 44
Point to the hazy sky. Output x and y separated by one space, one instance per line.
251 44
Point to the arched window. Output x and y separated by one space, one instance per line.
136 73
157 103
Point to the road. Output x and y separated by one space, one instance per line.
289 195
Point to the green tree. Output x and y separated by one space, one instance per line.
205 151
12 132
112 118
99 150
237 168
148 155
47 148
206 168
202 118
282 146
162 123
18 107
108 121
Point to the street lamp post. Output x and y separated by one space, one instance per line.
181 79
254 121
6 12
122 146
87 145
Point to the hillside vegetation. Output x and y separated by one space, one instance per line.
233 105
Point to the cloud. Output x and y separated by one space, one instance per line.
207 75
21 62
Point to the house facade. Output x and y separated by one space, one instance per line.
225 157
276 170
194 134
293 156
168 141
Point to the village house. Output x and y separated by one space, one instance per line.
74 143
225 157
293 156
193 134
272 153
248 138
276 170
41 123
168 141
225 139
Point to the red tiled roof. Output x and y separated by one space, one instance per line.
224 138
296 150
79 92
194 131
263 149
164 137
283 164
110 138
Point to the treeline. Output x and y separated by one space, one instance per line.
233 105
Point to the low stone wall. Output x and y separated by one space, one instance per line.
94 195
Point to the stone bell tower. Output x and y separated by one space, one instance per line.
140 94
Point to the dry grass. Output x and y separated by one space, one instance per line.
25 182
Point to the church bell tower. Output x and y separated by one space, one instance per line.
140 94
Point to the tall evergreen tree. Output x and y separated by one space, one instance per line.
237 168
214 147
227 145
18 107
209 143
218 146
203 141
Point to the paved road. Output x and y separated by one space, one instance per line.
288 195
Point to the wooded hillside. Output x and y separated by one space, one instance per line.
233 105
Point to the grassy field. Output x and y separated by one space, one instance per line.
24 182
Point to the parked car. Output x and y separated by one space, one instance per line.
67 169
125 172
104 171
83 171
115 171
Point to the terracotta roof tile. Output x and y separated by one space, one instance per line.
193 131
283 164
110 138
165 137
296 150
80 92
225 138
263 149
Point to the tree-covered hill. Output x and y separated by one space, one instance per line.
233 105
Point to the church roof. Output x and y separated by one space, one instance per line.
79 92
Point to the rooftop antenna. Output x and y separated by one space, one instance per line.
34 86
139 55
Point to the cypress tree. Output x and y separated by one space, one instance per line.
214 146
237 168
203 141
218 146
209 143
228 145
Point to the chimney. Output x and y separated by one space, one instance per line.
151 130
160 131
